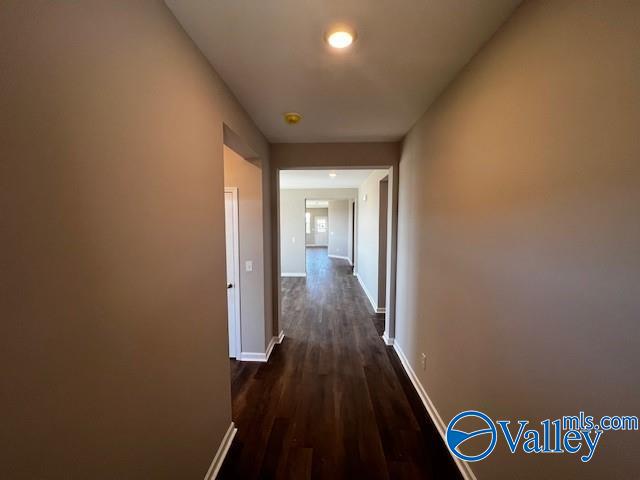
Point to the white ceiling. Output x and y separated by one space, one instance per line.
321 178
272 55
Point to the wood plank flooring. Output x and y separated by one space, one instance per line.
333 401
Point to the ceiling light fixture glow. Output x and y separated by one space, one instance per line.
332 174
340 38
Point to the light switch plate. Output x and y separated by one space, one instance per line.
248 266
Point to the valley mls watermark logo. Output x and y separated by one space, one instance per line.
456 438
569 434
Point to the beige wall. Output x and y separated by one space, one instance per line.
334 155
339 232
367 238
114 342
518 235
247 178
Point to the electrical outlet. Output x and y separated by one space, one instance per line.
423 360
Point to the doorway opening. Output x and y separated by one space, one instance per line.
332 225
244 214
316 220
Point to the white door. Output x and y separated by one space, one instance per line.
231 232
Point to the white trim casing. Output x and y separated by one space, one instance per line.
236 278
373 303
387 340
252 357
223 449
465 469
293 274
259 356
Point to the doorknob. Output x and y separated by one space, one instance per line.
229 285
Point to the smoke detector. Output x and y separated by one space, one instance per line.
292 118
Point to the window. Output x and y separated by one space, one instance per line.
321 224
307 222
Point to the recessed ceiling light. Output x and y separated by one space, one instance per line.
332 174
340 38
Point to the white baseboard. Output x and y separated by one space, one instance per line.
465 469
341 257
259 356
223 449
273 342
293 274
373 303
252 357
387 340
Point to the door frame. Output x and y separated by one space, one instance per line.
353 234
301 161
236 260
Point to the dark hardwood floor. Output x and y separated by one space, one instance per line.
333 401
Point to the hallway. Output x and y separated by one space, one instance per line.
333 400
